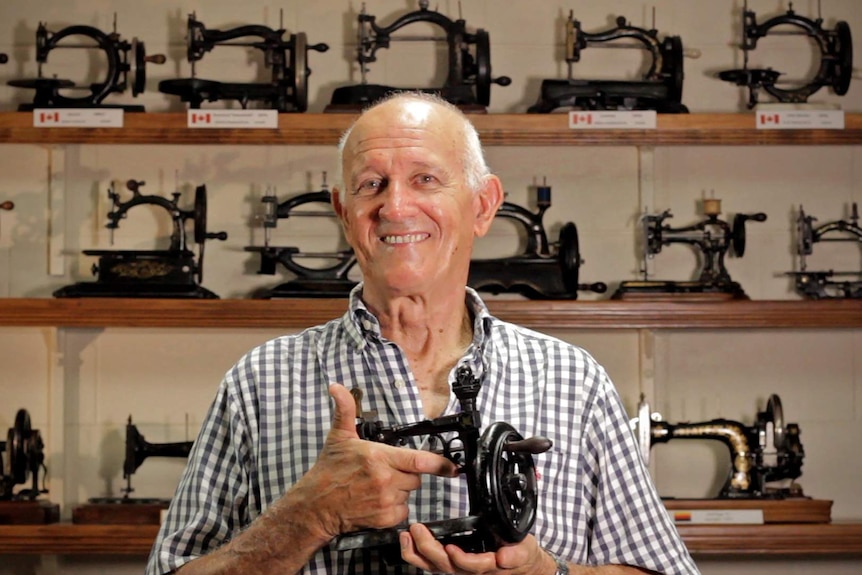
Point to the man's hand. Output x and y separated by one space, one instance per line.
357 484
419 548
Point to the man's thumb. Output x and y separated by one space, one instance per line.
344 418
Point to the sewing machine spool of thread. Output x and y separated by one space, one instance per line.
711 207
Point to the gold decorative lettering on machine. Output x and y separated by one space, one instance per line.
143 270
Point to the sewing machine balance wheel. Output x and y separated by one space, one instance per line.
16 445
569 252
483 69
775 414
507 481
843 70
675 51
299 66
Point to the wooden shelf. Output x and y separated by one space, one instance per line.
495 130
749 540
301 313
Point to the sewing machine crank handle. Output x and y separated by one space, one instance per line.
738 234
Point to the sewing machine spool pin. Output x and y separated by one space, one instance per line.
469 79
824 284
115 80
498 467
539 272
836 57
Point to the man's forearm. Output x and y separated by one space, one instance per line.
281 540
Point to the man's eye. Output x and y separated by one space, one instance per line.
369 186
426 179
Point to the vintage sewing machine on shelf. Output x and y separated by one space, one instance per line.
287 60
821 284
539 272
498 467
115 81
325 282
659 88
127 510
469 80
765 461
836 57
24 459
171 273
713 238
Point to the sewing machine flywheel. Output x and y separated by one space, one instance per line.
17 444
506 483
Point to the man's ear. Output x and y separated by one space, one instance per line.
337 206
488 200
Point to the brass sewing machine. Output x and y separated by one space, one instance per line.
327 281
120 64
24 459
469 80
835 49
539 272
712 237
765 462
171 273
659 88
497 464
824 284
287 60
127 509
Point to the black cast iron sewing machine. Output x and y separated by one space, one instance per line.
712 238
765 457
287 60
24 459
498 466
171 273
115 81
469 80
836 57
820 284
326 281
539 272
127 509
659 89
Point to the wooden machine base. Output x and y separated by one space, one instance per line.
28 512
128 513
790 510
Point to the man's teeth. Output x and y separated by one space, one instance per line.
408 239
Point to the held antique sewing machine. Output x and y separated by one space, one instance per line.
287 60
836 57
24 459
539 272
469 80
499 470
329 281
712 237
820 284
765 461
659 89
171 273
115 81
126 509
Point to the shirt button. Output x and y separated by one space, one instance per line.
399 383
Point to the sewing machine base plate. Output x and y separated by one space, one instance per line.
354 99
139 290
36 512
654 290
120 511
789 510
308 288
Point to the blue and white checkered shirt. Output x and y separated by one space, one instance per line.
597 504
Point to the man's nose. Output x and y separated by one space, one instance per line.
397 200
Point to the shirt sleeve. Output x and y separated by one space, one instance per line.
632 526
211 501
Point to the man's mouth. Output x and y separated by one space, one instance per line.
404 239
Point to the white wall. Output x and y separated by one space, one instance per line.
80 385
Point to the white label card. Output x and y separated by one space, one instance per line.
78 117
232 119
699 516
800 119
612 119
